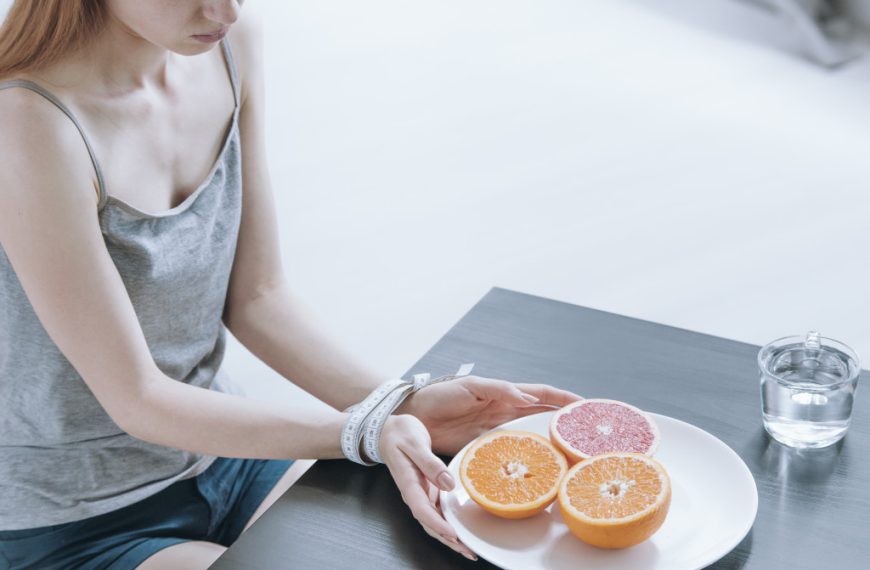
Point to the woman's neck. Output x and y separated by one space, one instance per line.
121 60
114 62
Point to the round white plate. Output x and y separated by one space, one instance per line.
713 506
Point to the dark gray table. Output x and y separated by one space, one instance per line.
814 508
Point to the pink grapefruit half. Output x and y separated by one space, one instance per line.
591 427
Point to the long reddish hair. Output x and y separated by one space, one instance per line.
37 33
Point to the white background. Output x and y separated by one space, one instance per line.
669 160
665 159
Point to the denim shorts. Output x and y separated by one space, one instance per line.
214 507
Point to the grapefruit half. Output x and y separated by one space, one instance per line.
587 428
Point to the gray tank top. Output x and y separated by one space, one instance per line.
61 457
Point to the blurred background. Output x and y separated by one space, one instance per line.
689 162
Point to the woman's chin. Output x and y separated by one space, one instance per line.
193 47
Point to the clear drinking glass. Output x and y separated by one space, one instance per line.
808 385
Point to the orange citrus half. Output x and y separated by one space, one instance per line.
615 500
513 474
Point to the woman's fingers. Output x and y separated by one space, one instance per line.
414 486
430 465
549 395
408 435
435 497
406 448
405 474
520 394
491 389
435 500
456 546
530 411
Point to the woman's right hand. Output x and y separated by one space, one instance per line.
406 449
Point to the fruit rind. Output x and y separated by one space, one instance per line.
517 510
575 455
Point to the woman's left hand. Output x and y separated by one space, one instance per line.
457 411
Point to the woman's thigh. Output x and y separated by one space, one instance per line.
198 554
192 555
192 520
292 475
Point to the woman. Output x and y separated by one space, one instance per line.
127 246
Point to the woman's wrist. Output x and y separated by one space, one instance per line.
360 436
409 406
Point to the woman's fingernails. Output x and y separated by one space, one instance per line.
446 482
529 398
471 557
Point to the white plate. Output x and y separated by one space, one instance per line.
713 506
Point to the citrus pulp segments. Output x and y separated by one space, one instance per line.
632 486
590 427
512 464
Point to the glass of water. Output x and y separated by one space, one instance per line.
808 385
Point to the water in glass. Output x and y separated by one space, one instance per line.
808 386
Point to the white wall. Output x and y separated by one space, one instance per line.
668 160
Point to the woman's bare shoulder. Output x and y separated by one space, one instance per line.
246 40
40 148
19 105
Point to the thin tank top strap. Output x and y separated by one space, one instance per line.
25 84
231 69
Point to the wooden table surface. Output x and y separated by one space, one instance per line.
814 507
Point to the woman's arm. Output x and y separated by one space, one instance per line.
49 230
261 311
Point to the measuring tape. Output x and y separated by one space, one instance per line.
352 432
366 420
376 421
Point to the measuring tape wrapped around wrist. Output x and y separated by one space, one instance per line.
366 420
